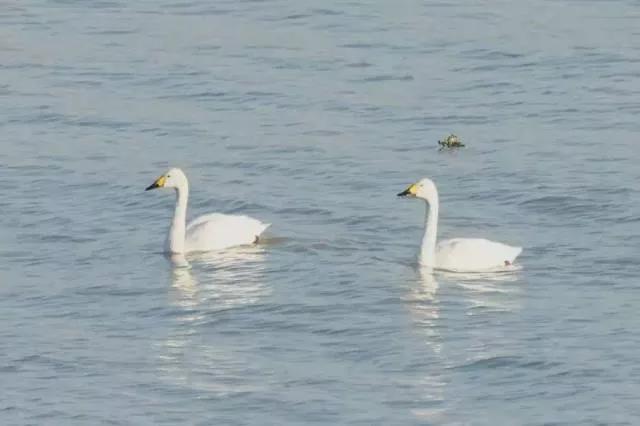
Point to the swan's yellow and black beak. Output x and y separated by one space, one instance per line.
159 183
409 192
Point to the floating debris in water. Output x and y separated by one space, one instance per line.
451 141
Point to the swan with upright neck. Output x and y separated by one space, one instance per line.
458 254
215 231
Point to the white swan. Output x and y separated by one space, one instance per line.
213 231
458 254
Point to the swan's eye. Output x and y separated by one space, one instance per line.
168 176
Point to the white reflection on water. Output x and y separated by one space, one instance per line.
220 280
494 291
424 307
424 304
488 291
208 291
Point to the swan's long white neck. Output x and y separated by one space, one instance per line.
428 248
176 237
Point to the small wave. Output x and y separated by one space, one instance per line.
386 77
504 361
562 204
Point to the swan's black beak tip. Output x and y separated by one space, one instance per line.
411 191
159 183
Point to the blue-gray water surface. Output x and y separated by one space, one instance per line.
312 116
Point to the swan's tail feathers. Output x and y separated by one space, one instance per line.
514 254
264 227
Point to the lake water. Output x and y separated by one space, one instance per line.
312 116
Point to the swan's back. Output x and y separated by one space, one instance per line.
474 254
217 231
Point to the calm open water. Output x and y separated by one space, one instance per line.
312 116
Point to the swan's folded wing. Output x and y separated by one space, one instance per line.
217 231
474 254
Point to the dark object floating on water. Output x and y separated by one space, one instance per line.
451 141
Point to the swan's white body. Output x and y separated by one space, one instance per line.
213 231
217 231
474 254
458 254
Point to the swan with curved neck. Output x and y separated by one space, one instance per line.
214 231
458 254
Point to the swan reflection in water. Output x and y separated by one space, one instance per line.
219 280
491 291
424 304
483 290
206 288
424 307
